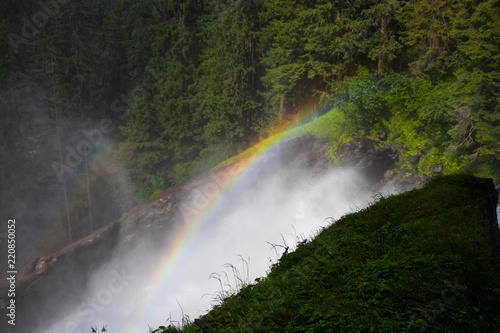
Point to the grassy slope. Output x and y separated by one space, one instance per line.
415 261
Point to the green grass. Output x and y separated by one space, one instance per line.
331 127
155 194
418 261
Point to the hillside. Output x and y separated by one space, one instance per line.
424 260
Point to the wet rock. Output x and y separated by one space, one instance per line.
413 159
436 169
388 174
364 155
390 147
305 152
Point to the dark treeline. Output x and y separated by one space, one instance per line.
178 86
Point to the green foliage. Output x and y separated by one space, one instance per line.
382 269
331 127
155 194
448 159
164 329
476 97
425 119
420 117
123 217
427 34
225 98
363 103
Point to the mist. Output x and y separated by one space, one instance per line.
259 218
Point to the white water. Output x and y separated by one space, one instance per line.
498 214
279 209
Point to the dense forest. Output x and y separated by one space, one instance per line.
106 102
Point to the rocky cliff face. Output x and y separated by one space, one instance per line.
44 285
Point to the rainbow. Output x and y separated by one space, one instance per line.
229 180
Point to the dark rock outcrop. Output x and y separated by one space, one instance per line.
364 155
378 163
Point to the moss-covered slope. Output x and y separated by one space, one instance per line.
421 260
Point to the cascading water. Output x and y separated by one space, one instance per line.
257 209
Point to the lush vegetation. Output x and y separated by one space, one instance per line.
184 85
418 261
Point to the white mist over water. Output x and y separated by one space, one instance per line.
280 208
498 214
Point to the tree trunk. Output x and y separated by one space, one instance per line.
383 31
282 108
